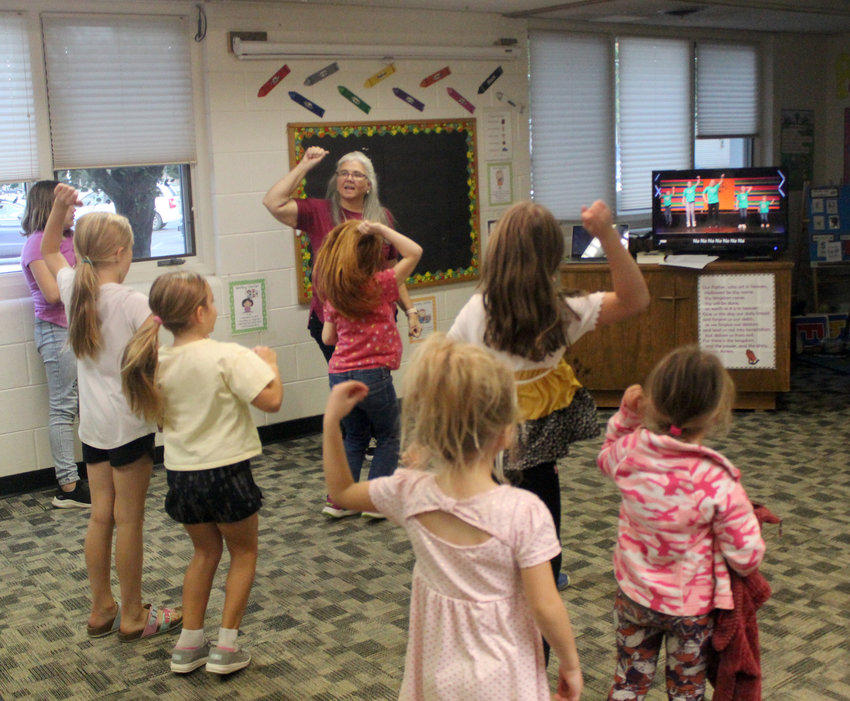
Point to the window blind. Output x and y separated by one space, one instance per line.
119 90
727 90
572 121
655 126
18 144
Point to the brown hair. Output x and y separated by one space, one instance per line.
458 400
344 270
97 237
173 298
39 204
526 314
689 393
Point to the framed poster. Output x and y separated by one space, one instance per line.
247 306
500 184
426 308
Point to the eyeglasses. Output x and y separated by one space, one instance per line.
356 175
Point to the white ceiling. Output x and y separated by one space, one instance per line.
818 16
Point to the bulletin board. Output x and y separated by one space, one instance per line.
828 209
427 178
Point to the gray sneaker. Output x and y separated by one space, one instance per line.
223 661
185 660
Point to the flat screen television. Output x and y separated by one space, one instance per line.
730 212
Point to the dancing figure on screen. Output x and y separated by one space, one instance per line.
689 195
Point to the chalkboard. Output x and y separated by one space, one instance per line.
427 178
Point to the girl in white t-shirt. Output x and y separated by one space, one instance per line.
522 316
199 391
482 585
118 445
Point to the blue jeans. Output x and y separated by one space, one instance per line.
376 415
60 366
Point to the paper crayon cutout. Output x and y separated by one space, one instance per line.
434 77
461 100
489 81
306 104
500 96
266 87
380 75
348 95
322 74
409 99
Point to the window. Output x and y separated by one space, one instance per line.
663 103
119 98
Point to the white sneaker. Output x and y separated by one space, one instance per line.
223 661
335 511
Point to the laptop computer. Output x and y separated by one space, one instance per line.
585 248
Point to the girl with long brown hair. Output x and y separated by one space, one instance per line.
522 316
118 445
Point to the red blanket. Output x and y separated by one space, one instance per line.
734 660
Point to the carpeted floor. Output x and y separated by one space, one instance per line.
328 614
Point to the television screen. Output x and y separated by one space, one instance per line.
737 212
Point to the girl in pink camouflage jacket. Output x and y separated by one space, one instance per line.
684 518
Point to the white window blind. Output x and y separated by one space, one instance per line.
727 90
18 147
655 115
572 121
119 90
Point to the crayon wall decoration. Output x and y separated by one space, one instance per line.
351 97
386 71
501 97
489 80
267 87
409 99
461 100
321 74
307 104
434 77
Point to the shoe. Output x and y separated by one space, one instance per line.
222 661
335 511
373 515
160 620
107 628
78 498
370 449
185 660
563 581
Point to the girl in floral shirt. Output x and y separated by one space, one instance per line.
359 295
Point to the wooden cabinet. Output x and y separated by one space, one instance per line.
610 359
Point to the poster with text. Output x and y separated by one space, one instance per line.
737 319
247 306
426 308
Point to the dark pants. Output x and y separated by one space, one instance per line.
314 326
542 480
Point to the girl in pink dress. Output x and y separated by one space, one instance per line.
684 520
482 590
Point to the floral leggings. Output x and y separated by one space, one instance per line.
640 632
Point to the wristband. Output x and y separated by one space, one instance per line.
412 309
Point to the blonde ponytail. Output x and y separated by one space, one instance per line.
138 372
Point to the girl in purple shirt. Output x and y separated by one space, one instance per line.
51 335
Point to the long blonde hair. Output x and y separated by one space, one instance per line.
173 299
97 238
689 393
345 266
458 401
526 314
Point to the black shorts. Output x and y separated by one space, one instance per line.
123 454
220 495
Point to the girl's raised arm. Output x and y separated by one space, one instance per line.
278 199
410 251
630 295
552 619
64 198
342 489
